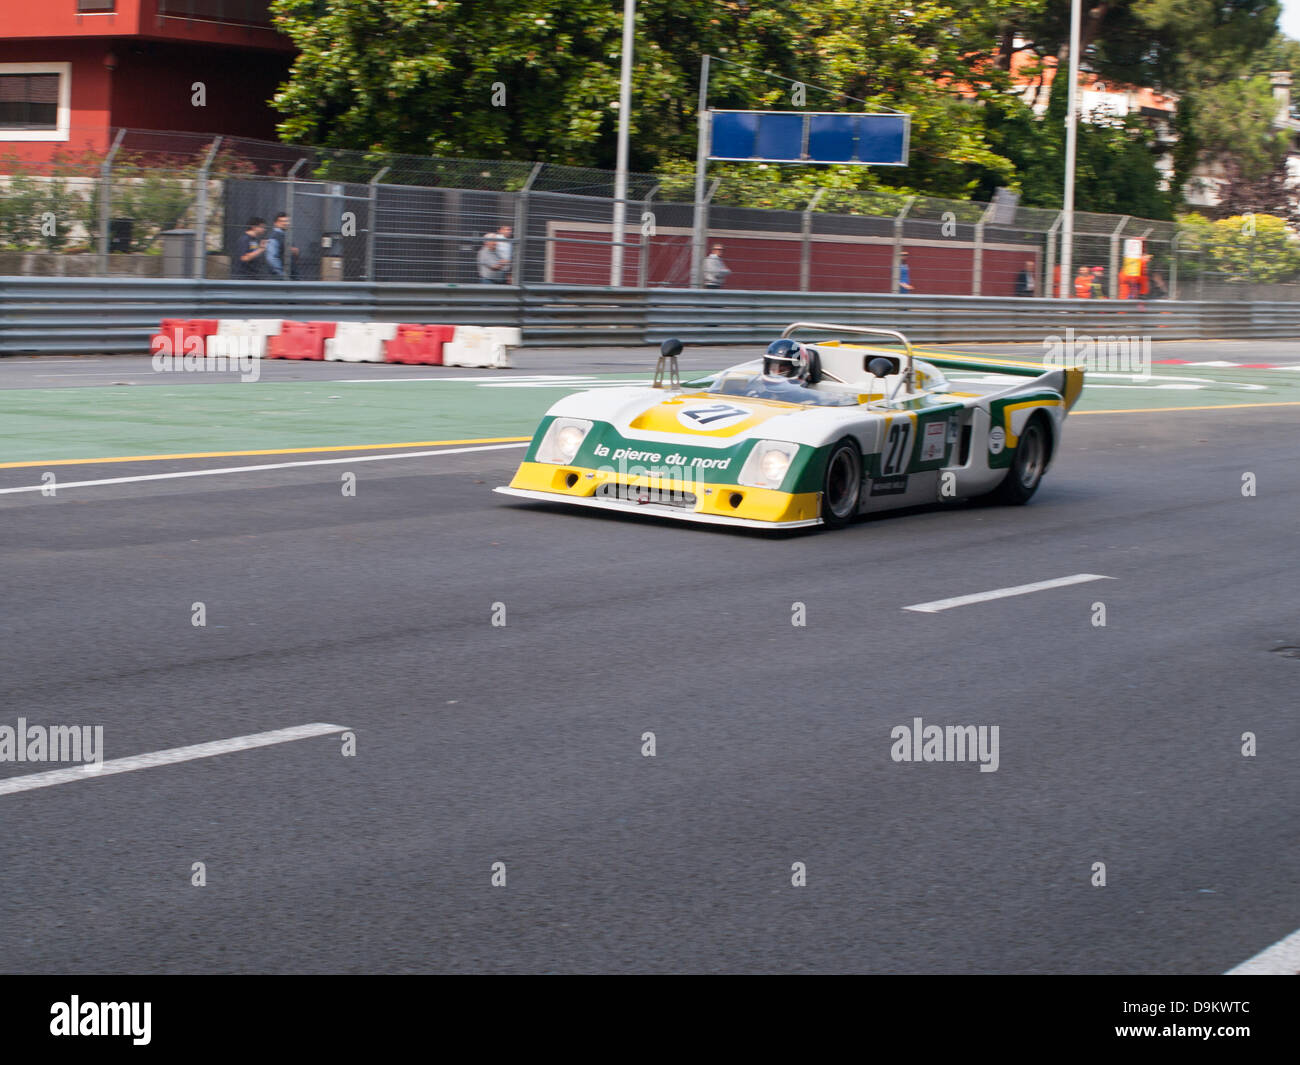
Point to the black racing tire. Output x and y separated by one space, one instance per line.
1033 452
841 485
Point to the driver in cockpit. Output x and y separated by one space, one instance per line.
787 367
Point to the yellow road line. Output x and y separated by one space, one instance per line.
267 451
1162 410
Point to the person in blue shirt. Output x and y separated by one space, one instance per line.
280 255
904 274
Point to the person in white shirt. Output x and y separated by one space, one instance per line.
506 249
715 270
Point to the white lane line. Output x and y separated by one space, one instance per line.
93 770
61 485
1004 593
1281 959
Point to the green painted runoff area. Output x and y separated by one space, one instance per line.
118 420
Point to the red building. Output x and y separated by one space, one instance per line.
73 70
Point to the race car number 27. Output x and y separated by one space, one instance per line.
896 445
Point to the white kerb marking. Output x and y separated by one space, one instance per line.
1281 959
154 759
1005 593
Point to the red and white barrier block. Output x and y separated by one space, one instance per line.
475 345
275 338
359 341
243 336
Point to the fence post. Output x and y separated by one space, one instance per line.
805 245
519 263
1047 288
708 199
895 272
106 201
373 221
1112 282
290 268
201 214
977 271
1173 265
700 226
643 265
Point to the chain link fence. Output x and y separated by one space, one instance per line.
156 204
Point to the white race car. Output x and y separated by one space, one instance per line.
810 434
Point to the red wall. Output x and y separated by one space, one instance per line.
772 264
90 94
152 89
59 19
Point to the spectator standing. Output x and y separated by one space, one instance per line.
282 266
1083 284
1025 281
715 270
249 261
506 249
1098 283
492 265
904 274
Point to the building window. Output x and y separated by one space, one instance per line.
96 7
34 101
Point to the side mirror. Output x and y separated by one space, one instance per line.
880 367
668 352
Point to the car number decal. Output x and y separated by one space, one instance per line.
894 458
709 416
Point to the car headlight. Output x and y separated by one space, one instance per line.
773 465
562 440
768 464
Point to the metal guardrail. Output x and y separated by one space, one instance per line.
117 315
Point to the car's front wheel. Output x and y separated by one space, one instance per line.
841 484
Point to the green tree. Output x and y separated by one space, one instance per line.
1252 247
1115 169
540 81
19 207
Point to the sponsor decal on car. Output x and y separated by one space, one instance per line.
889 486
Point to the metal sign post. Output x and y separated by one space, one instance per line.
809 137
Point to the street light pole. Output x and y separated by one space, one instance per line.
620 174
1071 137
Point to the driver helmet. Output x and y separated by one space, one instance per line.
787 358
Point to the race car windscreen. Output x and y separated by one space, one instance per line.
764 386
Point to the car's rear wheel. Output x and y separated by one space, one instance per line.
1033 450
841 484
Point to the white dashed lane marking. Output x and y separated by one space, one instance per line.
1004 593
154 759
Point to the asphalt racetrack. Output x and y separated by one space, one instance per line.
521 742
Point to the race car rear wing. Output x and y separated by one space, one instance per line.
1068 380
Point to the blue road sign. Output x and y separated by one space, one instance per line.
809 137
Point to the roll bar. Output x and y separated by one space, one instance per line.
909 376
